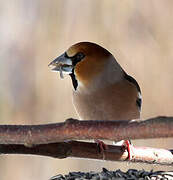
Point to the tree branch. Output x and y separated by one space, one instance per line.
72 129
90 150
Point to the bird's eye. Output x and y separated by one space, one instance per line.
79 56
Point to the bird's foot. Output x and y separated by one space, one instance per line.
101 146
129 147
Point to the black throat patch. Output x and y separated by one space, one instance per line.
74 81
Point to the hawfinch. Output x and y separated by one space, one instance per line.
102 90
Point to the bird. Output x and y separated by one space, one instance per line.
102 90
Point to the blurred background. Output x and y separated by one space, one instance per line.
32 33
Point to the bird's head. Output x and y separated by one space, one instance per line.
83 61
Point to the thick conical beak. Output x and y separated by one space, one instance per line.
63 64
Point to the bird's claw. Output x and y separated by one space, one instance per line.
129 147
101 146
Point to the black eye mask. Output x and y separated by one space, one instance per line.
76 58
